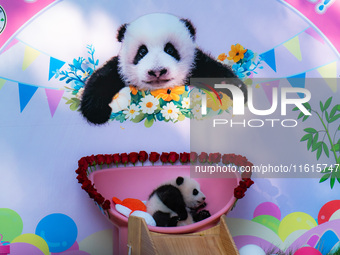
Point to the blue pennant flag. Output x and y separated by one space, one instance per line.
269 58
26 92
298 81
55 64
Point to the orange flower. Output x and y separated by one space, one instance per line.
222 57
169 94
236 53
133 90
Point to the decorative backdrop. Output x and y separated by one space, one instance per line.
42 136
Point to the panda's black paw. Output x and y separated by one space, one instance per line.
201 215
173 221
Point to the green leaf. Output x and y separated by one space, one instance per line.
295 108
332 182
336 147
305 137
309 143
333 111
306 117
148 123
310 130
138 118
181 117
74 106
300 115
325 149
324 178
326 170
334 118
327 117
318 153
328 102
307 106
315 143
321 106
338 106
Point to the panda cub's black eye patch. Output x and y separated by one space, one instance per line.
142 51
171 50
195 192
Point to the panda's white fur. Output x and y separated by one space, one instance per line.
191 193
155 31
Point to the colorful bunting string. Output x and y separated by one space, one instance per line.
26 91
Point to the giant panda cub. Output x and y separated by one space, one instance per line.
157 51
177 203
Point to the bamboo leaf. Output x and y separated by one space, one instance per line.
309 143
333 111
327 117
295 108
300 115
315 143
334 118
306 117
324 178
321 106
318 153
328 102
307 106
310 130
305 137
326 170
332 182
325 149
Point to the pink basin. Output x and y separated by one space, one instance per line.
139 182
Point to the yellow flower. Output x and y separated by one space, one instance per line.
133 90
236 53
222 57
169 94
215 104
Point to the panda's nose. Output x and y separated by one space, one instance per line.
157 73
203 198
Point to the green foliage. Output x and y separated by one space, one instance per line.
321 141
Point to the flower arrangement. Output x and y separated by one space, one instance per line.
169 105
87 165
244 62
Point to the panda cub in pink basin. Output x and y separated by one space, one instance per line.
177 203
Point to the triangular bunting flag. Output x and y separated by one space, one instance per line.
268 88
311 31
293 45
328 72
10 45
53 97
2 83
269 58
30 55
55 64
298 81
25 94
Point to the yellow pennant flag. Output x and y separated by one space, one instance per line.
293 45
328 72
29 57
2 83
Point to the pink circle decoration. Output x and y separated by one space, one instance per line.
267 208
307 251
25 248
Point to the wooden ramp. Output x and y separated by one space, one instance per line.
216 240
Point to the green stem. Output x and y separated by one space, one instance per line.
329 137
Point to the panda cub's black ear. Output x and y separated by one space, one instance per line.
179 180
121 32
190 27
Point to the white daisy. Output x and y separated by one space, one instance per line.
170 111
121 100
149 104
131 112
196 96
186 103
197 112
